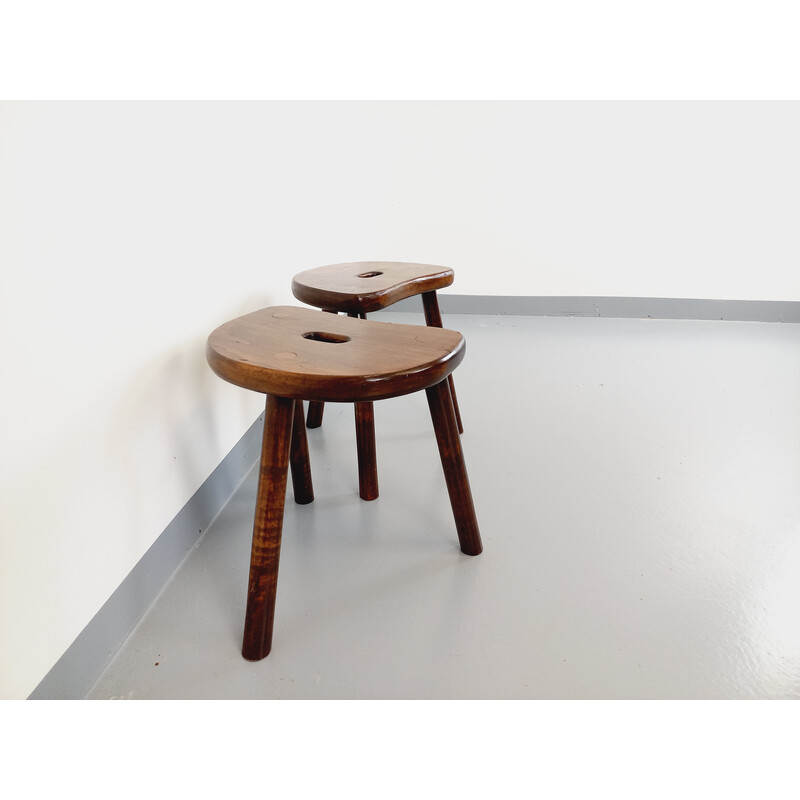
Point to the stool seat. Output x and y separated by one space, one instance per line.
302 354
360 287
356 288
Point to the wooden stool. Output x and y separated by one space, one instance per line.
293 354
357 289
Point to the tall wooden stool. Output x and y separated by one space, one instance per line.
358 288
294 354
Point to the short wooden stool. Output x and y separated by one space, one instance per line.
358 288
295 354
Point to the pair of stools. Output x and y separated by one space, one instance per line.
295 354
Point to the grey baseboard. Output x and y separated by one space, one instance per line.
617 307
78 669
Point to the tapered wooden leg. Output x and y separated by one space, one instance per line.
267 527
455 471
433 317
365 444
299 459
315 409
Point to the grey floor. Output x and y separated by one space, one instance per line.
637 483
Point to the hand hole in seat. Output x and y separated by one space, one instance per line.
321 336
369 274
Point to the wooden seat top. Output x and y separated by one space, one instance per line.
365 286
303 354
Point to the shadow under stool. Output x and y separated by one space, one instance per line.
294 354
356 289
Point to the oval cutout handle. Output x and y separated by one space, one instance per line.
322 336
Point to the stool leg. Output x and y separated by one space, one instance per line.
433 318
266 550
315 408
299 460
365 445
455 471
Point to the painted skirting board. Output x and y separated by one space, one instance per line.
76 671
617 307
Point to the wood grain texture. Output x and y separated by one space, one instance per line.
455 470
316 408
433 317
430 307
268 524
300 353
365 444
291 354
366 286
366 451
315 411
299 460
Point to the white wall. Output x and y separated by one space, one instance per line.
129 231
600 199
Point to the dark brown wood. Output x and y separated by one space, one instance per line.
358 287
299 459
365 446
430 307
456 411
284 353
433 317
267 527
455 471
302 354
315 410
365 286
315 407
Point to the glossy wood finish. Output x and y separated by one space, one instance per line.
365 445
315 407
267 527
281 352
299 459
362 286
433 317
365 448
365 286
455 470
315 411
300 353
